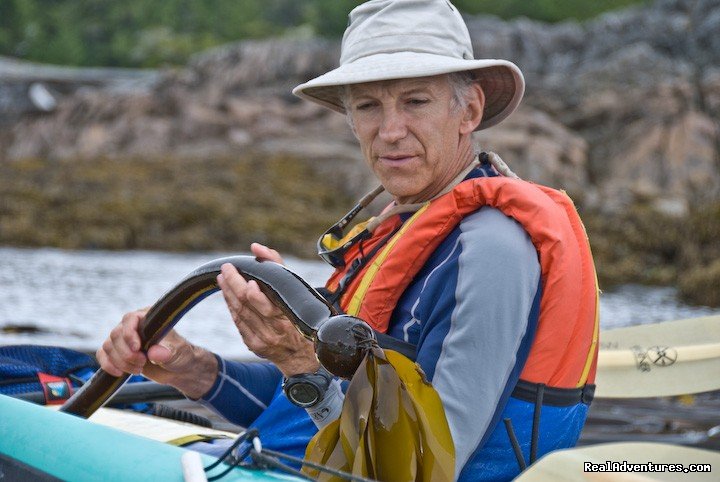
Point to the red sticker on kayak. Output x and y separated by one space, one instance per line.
56 389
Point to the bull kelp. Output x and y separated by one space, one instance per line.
392 426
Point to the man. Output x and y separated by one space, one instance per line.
489 276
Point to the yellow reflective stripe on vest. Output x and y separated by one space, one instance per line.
356 301
596 334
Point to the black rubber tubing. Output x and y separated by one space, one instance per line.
304 306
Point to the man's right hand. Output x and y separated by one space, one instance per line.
174 361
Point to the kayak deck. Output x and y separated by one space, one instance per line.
71 448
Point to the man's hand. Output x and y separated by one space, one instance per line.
174 361
266 331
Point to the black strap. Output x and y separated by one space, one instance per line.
402 347
519 457
558 397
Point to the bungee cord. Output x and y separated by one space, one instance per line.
263 458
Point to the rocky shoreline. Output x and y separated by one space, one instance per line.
623 112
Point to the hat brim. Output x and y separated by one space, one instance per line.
502 81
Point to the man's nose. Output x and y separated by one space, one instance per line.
392 127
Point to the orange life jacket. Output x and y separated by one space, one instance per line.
564 351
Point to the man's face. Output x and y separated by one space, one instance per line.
413 136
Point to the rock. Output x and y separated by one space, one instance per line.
540 149
701 286
93 140
28 88
240 137
618 109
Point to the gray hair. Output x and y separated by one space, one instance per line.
460 83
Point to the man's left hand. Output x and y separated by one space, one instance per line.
266 331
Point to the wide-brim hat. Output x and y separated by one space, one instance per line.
399 39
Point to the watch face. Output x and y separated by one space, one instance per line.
303 394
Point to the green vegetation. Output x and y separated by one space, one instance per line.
545 10
641 245
146 33
167 204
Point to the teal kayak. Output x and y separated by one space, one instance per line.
39 442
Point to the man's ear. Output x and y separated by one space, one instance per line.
474 110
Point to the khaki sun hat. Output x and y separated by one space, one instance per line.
399 39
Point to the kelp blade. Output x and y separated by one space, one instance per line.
392 426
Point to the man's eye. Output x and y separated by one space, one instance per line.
364 106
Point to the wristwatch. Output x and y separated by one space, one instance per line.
307 389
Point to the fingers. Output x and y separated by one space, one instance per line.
232 289
105 363
129 329
247 303
261 251
171 352
266 331
173 361
160 354
120 353
177 362
240 293
260 303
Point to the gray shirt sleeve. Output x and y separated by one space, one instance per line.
497 280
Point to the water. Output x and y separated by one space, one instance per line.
76 297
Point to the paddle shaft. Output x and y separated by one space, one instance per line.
131 393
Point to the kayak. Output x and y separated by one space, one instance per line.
42 444
165 430
128 446
660 359
628 462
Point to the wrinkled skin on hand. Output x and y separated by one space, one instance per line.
174 361
266 331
